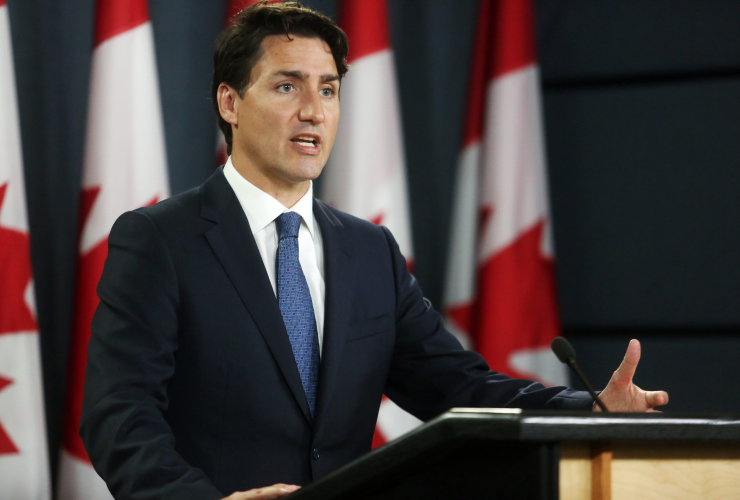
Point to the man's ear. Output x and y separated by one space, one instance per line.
228 103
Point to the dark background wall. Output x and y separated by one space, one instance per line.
642 110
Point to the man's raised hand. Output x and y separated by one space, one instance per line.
622 395
266 493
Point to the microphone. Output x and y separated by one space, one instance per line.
566 354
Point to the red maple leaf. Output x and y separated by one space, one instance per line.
15 274
15 316
516 307
6 445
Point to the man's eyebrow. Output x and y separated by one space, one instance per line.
332 77
293 74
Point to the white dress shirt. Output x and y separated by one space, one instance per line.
262 210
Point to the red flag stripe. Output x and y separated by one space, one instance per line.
114 17
15 274
477 89
504 42
366 25
2 3
514 37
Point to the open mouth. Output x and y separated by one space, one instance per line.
306 140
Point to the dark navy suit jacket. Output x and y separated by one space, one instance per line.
192 391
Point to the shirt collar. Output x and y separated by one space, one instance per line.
261 208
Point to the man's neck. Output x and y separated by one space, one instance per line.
287 193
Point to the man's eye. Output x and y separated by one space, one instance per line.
286 87
328 92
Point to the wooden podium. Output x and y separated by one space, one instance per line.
514 454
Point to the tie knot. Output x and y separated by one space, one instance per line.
288 224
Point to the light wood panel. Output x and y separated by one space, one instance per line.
650 470
575 471
676 471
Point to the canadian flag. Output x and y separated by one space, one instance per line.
366 172
500 293
232 9
24 460
125 168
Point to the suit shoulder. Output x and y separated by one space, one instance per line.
175 208
351 222
174 217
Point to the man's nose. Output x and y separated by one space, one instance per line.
312 108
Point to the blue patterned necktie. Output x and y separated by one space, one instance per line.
296 305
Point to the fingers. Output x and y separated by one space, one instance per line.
274 491
656 398
626 370
266 493
621 394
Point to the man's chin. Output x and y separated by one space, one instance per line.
310 172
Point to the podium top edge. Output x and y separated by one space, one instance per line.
576 416
524 425
487 411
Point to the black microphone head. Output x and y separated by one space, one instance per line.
562 349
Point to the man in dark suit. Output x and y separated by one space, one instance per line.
246 331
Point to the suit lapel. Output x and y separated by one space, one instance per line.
234 245
339 278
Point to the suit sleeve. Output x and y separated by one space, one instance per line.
431 372
129 363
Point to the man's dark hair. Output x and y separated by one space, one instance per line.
239 47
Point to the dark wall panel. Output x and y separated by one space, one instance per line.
587 40
184 39
646 196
